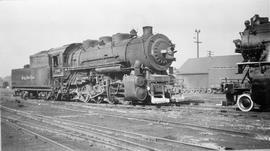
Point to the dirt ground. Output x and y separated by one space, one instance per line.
254 126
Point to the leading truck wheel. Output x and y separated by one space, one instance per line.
244 102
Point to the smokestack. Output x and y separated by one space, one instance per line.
147 30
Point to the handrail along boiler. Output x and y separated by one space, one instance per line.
124 65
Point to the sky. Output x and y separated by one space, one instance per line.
30 26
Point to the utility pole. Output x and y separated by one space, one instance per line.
198 41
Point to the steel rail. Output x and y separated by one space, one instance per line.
57 121
60 132
66 148
146 137
162 122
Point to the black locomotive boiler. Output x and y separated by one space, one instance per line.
122 67
254 46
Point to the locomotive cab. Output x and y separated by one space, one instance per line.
56 58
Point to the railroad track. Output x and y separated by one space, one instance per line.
44 138
74 134
224 110
80 132
160 121
99 110
118 138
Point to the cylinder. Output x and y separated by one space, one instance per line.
132 91
141 93
147 30
140 81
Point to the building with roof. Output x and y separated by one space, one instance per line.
208 72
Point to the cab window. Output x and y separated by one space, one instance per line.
55 61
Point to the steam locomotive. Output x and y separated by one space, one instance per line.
254 46
121 68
